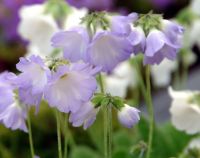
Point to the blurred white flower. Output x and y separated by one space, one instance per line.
195 32
162 73
185 111
74 17
194 143
37 27
195 5
121 78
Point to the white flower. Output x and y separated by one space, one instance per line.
184 112
122 76
162 73
37 27
195 33
74 17
195 5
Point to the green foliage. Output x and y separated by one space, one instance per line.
127 143
84 152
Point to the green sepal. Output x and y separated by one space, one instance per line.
117 102
149 21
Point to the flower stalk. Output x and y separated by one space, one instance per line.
30 136
66 136
107 125
58 135
150 110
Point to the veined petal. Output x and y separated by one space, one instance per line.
69 88
107 50
33 79
73 42
14 117
85 116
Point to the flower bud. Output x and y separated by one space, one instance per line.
128 116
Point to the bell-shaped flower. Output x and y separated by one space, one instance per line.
32 80
74 43
12 114
37 27
161 73
107 50
128 116
85 116
70 86
124 26
121 25
137 39
158 47
173 31
185 113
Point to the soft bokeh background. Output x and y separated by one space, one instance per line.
168 142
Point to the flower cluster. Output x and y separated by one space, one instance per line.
151 35
69 83
66 86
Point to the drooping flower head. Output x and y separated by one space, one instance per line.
151 35
32 80
128 116
74 43
124 26
70 87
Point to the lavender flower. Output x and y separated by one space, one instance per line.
70 87
158 47
12 114
107 50
128 116
32 80
74 43
85 116
6 90
123 26
14 117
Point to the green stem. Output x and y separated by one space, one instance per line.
58 135
150 110
107 125
30 136
66 136
140 79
